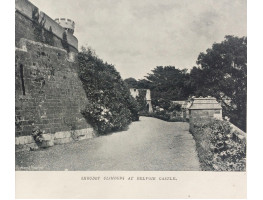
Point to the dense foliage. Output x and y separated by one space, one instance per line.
110 107
217 148
171 113
166 83
38 26
65 41
221 73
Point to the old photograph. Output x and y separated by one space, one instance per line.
130 85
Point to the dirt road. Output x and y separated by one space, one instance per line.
148 145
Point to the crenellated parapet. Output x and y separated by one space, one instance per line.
67 24
27 14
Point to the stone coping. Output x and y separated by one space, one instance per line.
241 135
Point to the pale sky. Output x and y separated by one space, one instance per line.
138 35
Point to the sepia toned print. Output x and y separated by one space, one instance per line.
135 86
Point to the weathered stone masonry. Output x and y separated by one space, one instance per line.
24 26
48 92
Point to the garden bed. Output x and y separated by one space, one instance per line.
217 148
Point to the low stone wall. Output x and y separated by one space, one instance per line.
27 143
240 135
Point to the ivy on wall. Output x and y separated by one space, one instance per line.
41 34
48 36
65 41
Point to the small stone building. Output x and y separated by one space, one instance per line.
205 107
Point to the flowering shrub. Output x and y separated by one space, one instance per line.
37 135
171 113
110 107
217 149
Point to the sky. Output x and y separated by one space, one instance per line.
138 35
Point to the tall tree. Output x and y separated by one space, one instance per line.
38 25
131 82
65 41
169 83
223 69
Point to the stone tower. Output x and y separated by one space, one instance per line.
67 24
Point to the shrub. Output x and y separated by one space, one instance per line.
174 107
110 107
37 135
217 149
163 115
168 112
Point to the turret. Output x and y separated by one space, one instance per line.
67 24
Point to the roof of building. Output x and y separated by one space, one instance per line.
208 103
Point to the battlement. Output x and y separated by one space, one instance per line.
25 10
67 24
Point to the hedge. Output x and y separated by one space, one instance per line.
216 146
110 107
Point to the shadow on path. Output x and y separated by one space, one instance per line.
148 145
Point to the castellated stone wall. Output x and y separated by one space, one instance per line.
24 26
48 92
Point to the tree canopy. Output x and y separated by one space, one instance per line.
221 72
166 83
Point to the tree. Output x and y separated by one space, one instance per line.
196 82
131 82
144 84
169 83
48 36
65 41
38 25
223 72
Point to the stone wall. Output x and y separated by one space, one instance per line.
207 107
240 135
203 113
27 143
24 24
49 94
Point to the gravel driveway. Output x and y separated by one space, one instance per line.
148 145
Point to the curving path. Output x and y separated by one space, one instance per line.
148 145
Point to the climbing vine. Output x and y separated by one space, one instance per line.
38 26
